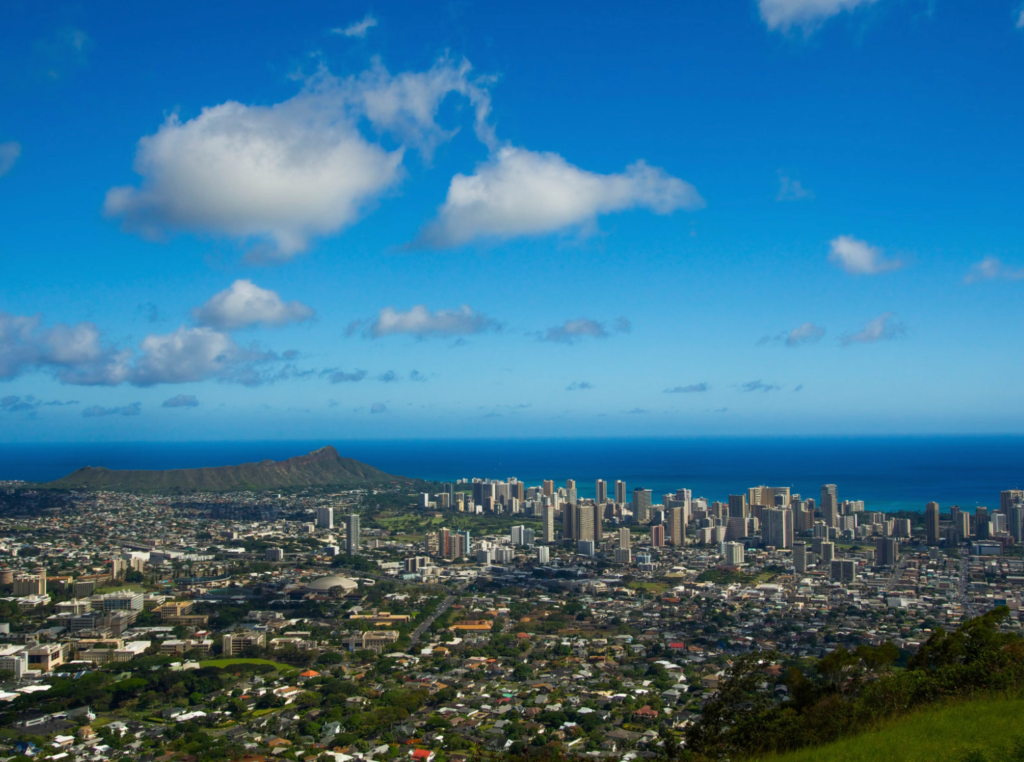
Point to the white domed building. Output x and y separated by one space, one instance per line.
325 584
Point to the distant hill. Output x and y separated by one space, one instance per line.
320 468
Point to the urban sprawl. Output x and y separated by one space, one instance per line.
478 620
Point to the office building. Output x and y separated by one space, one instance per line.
931 523
830 504
642 505
737 506
623 555
273 554
887 551
1015 521
548 486
981 525
735 529
543 554
624 538
620 492
844 570
827 552
585 547
1009 498
325 517
585 529
235 643
800 557
601 492
29 584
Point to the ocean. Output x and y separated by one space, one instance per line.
888 474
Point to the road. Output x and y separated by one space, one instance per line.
445 605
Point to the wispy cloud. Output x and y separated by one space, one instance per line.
378 407
358 29
807 333
97 411
9 153
336 376
636 411
1020 19
572 331
422 323
859 257
791 189
181 400
690 389
991 268
759 386
579 386
244 304
885 327
782 15
388 377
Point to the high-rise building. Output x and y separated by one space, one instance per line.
1015 521
830 504
800 557
352 532
449 490
517 535
931 523
658 536
624 538
737 506
735 528
549 487
1010 497
270 554
585 529
547 518
843 570
29 584
642 505
623 556
676 531
570 490
601 492
620 492
827 552
777 527
887 551
569 526
733 552
325 517
981 525
543 554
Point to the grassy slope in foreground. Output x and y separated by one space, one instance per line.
323 467
944 733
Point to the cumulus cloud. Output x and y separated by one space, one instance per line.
572 331
245 304
518 192
791 189
782 15
421 322
991 268
859 257
882 328
283 174
690 389
378 407
9 153
759 386
195 354
579 386
181 400
358 29
808 333
343 377
96 411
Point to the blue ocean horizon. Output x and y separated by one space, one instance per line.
887 473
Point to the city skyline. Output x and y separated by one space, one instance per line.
772 216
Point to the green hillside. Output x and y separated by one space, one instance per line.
947 733
320 468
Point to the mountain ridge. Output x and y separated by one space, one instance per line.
323 467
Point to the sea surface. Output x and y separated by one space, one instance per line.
888 474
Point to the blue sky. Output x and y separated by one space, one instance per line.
340 219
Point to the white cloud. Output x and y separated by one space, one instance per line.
419 321
808 333
378 407
572 331
194 354
283 174
519 192
991 268
808 14
882 328
859 257
358 29
9 153
1020 19
245 304
181 400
